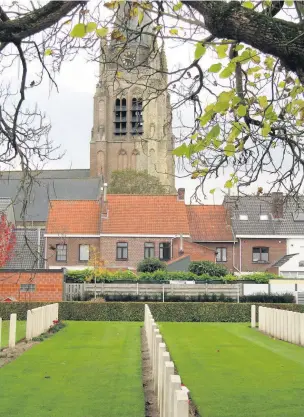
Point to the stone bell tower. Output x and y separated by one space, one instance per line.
132 112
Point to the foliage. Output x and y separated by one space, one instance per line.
120 311
130 181
57 326
168 298
102 275
268 298
7 240
259 277
66 371
247 368
207 267
151 265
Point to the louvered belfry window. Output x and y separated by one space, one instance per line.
120 117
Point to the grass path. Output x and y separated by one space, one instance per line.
234 371
20 333
88 369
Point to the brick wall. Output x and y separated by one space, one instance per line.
277 249
196 251
72 250
135 250
229 247
48 285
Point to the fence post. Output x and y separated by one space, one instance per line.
253 316
163 293
137 292
181 404
12 330
238 294
302 329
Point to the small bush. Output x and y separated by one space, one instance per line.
207 267
259 277
268 298
151 265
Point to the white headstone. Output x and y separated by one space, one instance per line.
12 331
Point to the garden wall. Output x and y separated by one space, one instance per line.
187 312
43 285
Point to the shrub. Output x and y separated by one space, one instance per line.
158 297
207 267
259 277
216 312
151 265
267 298
100 274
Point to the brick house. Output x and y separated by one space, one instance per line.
124 229
270 233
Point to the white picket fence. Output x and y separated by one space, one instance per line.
173 400
40 319
281 324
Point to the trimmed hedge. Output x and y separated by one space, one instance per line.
207 267
187 312
151 265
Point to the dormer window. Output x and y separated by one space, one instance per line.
243 216
264 217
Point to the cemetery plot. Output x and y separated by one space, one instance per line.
235 371
20 333
87 369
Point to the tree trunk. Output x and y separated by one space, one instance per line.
270 35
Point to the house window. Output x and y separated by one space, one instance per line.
137 127
260 255
221 254
61 253
122 251
243 216
27 287
84 252
263 216
120 117
164 251
149 250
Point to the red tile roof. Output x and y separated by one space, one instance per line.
209 223
73 217
145 214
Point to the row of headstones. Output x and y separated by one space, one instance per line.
40 319
280 324
172 397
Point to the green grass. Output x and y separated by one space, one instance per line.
234 371
20 332
88 369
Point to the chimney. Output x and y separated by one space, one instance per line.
181 194
277 205
105 189
181 244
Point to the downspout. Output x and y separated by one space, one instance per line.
45 253
233 253
39 245
240 255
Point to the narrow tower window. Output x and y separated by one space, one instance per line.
120 119
137 117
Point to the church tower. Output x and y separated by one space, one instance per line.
132 112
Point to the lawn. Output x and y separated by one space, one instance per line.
88 369
234 371
20 333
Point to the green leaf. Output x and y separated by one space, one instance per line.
282 84
269 63
221 106
248 4
263 102
239 47
253 70
214 132
215 67
221 50
173 31
178 6
78 31
140 17
157 28
228 71
180 150
102 32
229 149
289 2
111 4
228 184
226 95
217 143
200 50
48 52
90 27
266 129
242 110
212 191
256 59
235 100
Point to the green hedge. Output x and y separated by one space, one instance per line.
207 267
187 312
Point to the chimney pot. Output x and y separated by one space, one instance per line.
181 194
